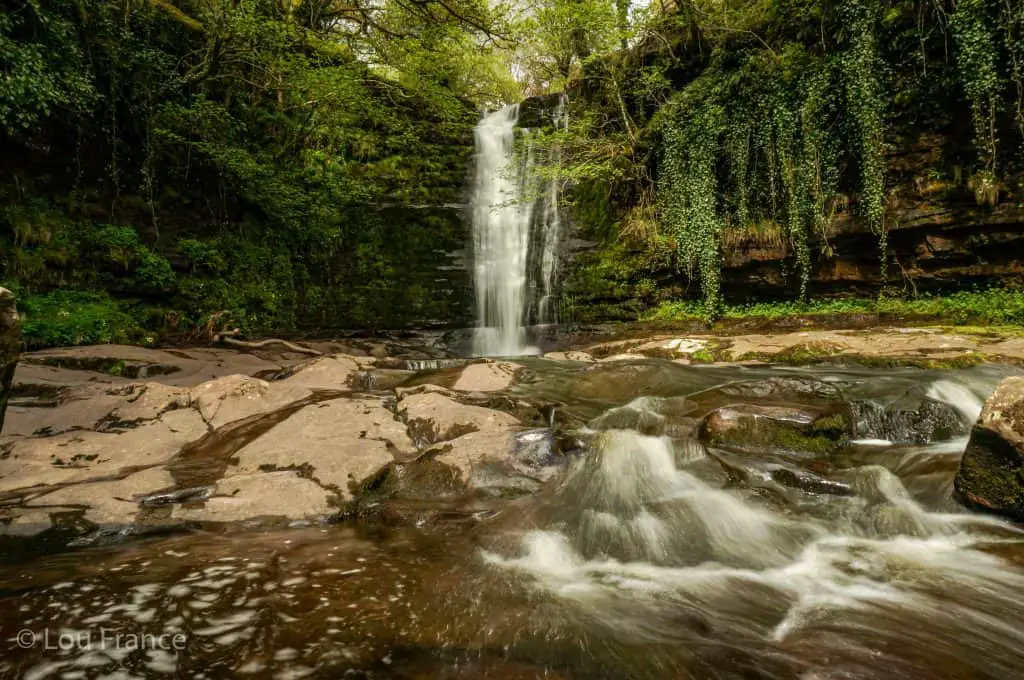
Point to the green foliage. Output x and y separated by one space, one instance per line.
994 306
77 318
977 57
687 190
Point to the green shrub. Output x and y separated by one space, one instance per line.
77 318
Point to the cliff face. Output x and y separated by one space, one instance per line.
933 247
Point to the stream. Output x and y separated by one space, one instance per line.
648 555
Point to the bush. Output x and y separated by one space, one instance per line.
77 318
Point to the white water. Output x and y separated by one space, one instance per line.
639 545
515 250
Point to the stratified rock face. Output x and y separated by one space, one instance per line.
10 346
992 471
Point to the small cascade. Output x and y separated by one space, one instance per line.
517 230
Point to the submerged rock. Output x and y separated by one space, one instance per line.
10 347
991 474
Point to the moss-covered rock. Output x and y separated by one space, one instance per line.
991 475
754 428
10 347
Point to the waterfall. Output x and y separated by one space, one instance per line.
516 234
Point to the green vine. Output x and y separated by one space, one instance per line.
687 192
859 68
977 59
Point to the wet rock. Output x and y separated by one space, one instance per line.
784 388
27 522
141 402
991 474
338 443
756 428
570 356
282 494
433 415
650 416
912 419
109 502
233 397
490 376
10 346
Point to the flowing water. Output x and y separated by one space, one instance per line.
517 230
647 556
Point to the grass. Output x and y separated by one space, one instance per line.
991 307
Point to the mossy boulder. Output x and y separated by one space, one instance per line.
10 347
991 475
798 431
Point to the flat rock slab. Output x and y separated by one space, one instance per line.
909 344
491 376
234 397
261 494
337 443
84 455
110 502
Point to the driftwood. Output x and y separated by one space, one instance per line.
230 337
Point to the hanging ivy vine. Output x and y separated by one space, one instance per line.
688 190
977 57
860 69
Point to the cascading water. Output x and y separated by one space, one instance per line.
516 233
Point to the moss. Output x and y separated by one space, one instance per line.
761 433
991 475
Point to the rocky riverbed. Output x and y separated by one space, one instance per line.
383 508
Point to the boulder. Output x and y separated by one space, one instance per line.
10 347
912 419
337 443
755 428
433 415
991 475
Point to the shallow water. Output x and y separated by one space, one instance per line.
643 560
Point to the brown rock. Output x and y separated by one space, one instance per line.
234 397
490 376
991 474
338 443
325 373
434 416
270 494
109 502
83 456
